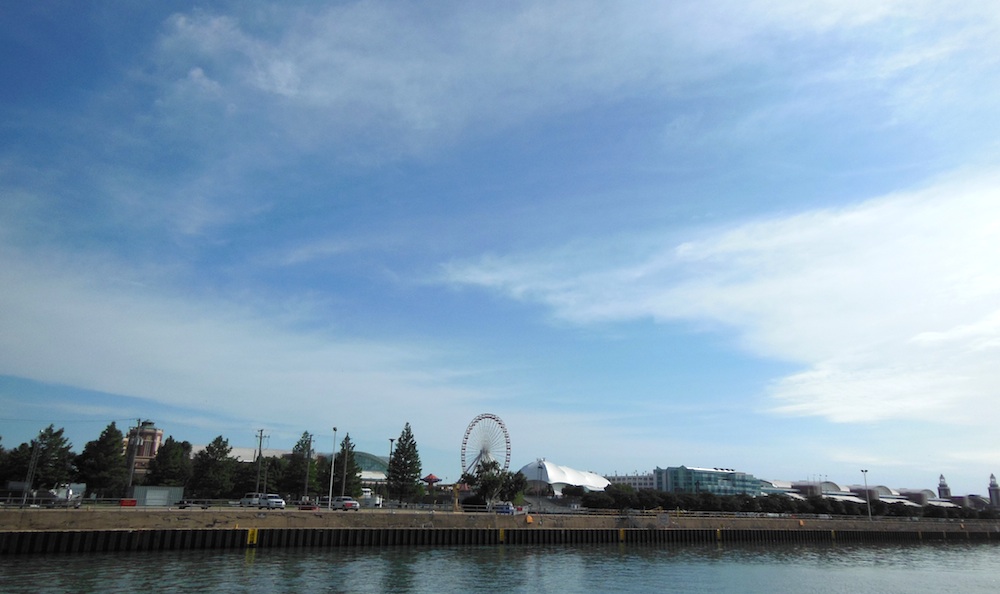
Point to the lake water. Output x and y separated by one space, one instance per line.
919 568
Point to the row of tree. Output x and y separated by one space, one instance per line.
212 473
624 497
490 484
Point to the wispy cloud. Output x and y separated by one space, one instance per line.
370 73
863 296
71 320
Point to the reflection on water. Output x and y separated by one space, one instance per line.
854 569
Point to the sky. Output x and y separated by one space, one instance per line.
752 235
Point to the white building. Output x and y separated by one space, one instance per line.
637 481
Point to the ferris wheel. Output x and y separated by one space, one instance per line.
485 440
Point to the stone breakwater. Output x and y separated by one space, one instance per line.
68 531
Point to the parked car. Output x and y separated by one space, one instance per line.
252 499
272 501
306 504
345 503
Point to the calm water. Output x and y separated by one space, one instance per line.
925 568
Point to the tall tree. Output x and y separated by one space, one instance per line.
212 470
55 459
172 466
102 464
300 464
352 485
404 467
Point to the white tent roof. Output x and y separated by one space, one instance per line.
563 476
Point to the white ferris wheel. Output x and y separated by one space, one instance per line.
485 440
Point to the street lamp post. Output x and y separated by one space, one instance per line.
539 486
333 458
864 473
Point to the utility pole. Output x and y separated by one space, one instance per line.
388 466
36 449
260 454
134 442
343 462
333 470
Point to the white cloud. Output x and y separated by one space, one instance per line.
890 305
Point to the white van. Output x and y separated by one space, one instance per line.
252 499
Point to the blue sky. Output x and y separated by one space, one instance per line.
754 235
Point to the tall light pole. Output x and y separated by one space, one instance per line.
388 462
333 458
864 473
538 487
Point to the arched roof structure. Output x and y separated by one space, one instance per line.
562 476
371 462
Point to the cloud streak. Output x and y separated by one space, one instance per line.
890 305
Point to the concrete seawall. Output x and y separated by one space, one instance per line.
73 531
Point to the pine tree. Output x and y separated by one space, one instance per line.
404 467
172 466
102 464
352 486
212 470
55 460
294 479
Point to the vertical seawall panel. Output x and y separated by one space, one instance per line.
78 541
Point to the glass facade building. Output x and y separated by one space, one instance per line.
720 481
